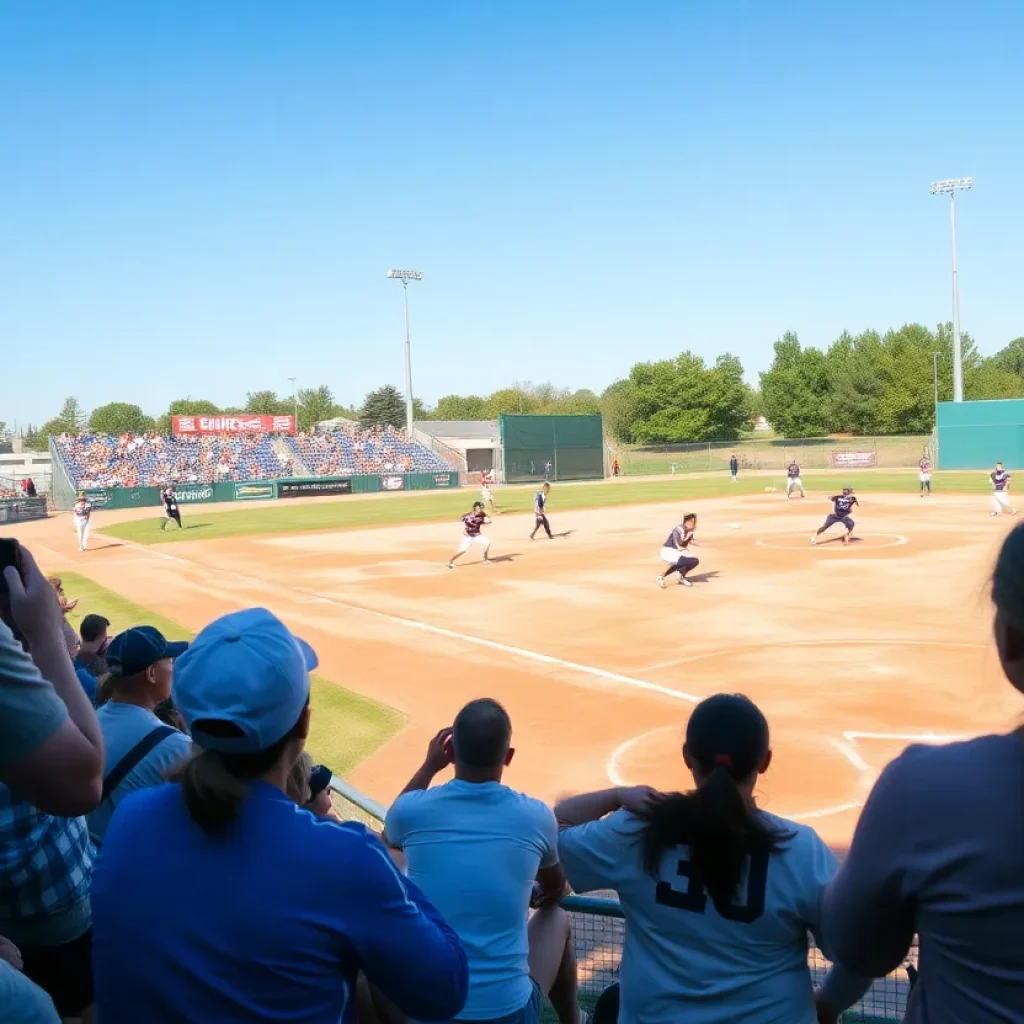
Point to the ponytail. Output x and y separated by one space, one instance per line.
718 824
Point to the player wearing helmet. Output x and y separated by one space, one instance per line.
841 506
471 524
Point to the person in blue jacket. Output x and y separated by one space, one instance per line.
216 898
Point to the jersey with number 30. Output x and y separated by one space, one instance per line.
682 959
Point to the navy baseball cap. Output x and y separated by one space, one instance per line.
319 779
134 650
248 670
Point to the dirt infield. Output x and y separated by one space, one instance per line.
852 652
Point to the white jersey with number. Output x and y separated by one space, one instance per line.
82 510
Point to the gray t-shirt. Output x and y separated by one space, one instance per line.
124 725
30 710
22 1001
939 850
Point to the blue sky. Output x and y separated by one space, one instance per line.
203 199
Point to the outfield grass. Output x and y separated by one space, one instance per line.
292 516
345 728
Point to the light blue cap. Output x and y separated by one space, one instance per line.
245 668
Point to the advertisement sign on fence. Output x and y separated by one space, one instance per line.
233 424
853 460
314 488
187 493
254 492
392 483
443 480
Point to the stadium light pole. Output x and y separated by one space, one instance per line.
405 276
950 187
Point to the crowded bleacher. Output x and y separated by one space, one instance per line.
167 854
151 459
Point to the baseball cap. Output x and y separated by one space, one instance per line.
248 670
319 779
134 650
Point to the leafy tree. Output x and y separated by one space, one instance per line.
796 390
267 403
420 411
382 407
457 407
1011 358
316 404
511 400
619 409
70 420
193 407
119 418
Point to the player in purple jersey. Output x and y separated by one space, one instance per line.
1000 491
925 477
793 481
841 506
540 516
675 551
471 524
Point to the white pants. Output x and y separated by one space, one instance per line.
82 529
486 496
1000 500
733 475
468 542
792 483
671 555
926 478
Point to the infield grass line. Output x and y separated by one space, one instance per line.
345 727
290 516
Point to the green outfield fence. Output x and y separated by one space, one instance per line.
598 929
977 435
770 453
572 446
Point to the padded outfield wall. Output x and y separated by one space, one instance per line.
977 435
573 445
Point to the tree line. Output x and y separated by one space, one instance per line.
869 383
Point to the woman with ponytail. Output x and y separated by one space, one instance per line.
273 913
939 852
718 895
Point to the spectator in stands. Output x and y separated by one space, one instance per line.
319 791
51 749
70 636
477 848
718 895
140 749
938 851
93 632
274 911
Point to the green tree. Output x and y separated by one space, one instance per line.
70 420
509 401
383 407
267 403
119 418
459 407
620 412
316 404
1011 358
34 440
796 390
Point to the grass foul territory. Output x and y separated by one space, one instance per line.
345 728
383 510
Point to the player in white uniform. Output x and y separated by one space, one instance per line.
1000 491
81 512
719 895
485 492
471 524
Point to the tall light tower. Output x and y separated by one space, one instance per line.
950 187
405 276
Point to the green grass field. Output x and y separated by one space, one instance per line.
435 506
345 728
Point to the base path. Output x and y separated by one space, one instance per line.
852 652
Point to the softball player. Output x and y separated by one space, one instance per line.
82 510
841 507
171 511
471 524
676 551
540 516
925 477
1000 491
793 481
485 492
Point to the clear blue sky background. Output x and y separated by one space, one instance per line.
203 198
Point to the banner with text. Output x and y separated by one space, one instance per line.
314 488
255 492
392 483
233 424
854 460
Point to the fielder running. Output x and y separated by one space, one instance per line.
793 481
171 510
676 551
842 504
82 511
1000 491
471 523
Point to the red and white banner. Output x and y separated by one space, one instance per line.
851 460
233 424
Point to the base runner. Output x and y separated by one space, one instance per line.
82 511
1000 491
841 506
675 551
471 524
171 510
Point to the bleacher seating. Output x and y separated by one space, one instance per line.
380 450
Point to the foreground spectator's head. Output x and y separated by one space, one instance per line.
94 634
320 791
726 748
141 664
242 690
1008 598
481 740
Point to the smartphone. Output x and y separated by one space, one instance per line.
10 554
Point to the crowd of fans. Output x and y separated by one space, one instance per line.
169 853
151 460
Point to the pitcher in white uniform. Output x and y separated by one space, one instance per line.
80 513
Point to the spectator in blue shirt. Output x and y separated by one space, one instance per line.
939 851
718 895
275 911
477 849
